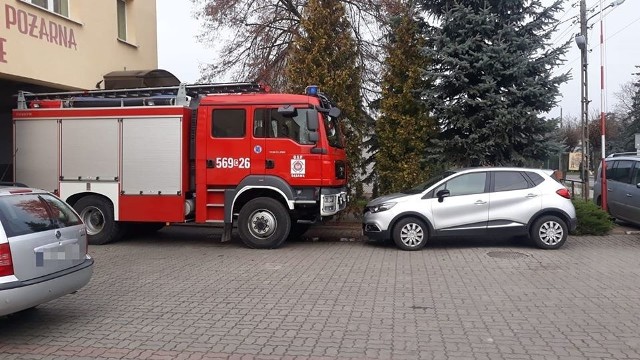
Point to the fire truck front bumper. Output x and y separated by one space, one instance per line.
332 201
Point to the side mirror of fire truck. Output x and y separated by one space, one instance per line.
314 137
312 121
334 112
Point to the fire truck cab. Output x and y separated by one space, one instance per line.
229 154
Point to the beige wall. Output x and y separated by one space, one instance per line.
32 48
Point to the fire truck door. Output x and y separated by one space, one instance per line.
228 155
288 149
259 135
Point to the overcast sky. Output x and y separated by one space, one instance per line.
180 53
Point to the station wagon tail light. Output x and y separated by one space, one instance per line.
564 193
6 266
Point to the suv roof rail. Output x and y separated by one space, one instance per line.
629 153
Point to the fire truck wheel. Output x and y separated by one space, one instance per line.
97 214
264 223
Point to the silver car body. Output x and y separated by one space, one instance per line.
475 211
43 249
623 187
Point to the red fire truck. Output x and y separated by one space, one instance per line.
137 159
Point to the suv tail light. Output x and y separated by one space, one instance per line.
6 266
564 193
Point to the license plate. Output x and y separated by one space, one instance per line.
58 253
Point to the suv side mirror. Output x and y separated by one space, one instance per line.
443 194
638 185
312 121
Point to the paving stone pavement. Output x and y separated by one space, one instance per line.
181 294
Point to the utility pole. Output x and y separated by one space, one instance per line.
581 40
560 167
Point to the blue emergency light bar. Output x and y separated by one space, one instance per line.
312 90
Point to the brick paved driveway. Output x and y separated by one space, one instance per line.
182 294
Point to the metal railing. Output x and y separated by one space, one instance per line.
575 187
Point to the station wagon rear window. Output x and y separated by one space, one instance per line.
32 213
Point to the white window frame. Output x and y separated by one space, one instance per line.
51 6
123 21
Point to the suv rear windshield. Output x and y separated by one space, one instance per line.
30 213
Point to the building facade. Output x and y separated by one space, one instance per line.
51 45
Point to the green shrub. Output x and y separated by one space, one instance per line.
592 220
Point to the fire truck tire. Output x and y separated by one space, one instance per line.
97 214
264 223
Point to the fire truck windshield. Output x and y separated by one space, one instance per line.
332 128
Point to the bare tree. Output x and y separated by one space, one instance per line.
570 133
255 37
624 95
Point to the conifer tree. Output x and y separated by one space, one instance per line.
492 65
324 53
404 128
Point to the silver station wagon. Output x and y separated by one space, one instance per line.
475 202
43 249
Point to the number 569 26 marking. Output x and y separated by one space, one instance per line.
230 163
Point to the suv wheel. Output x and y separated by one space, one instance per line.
549 232
410 234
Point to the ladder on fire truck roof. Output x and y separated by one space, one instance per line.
180 92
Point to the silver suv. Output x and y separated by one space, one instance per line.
475 201
623 187
43 249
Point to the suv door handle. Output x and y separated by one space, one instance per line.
531 196
609 189
480 202
629 195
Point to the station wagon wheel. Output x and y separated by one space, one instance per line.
263 223
549 232
410 234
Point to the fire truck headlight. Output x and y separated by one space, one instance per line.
329 203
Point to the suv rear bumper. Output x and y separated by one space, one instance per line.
21 295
